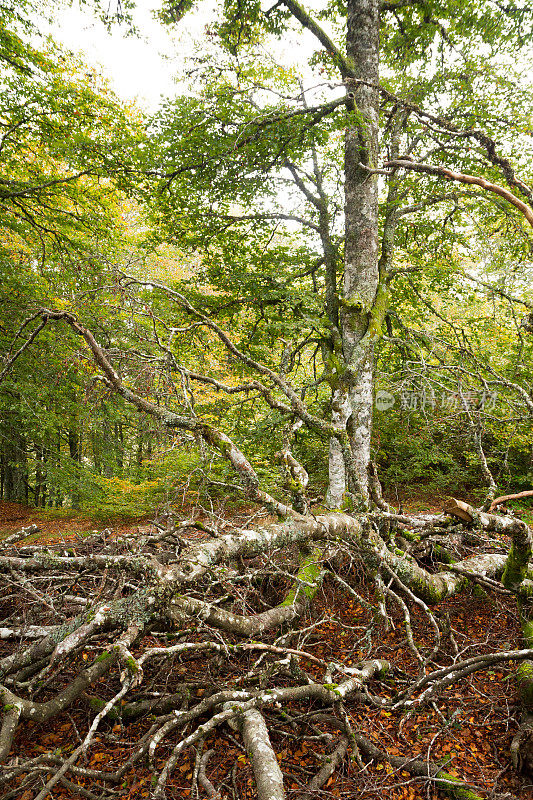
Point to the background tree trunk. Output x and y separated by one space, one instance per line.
14 460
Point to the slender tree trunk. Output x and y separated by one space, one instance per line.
15 464
53 458
140 454
45 458
109 447
119 446
74 446
96 451
39 475
340 413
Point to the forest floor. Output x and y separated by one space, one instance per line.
54 528
469 729
56 525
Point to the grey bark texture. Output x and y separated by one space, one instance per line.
268 775
353 398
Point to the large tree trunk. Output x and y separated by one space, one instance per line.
361 275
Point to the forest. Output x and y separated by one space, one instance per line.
266 405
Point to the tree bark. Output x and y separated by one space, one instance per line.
361 275
503 499
74 446
268 775
14 460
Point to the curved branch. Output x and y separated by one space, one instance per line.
343 62
499 500
297 405
211 435
475 180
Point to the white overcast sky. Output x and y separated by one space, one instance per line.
140 69
143 68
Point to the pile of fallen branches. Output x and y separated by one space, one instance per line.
193 630
164 643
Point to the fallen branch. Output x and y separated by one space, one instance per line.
503 499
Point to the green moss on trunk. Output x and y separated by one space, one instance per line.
310 573
454 787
